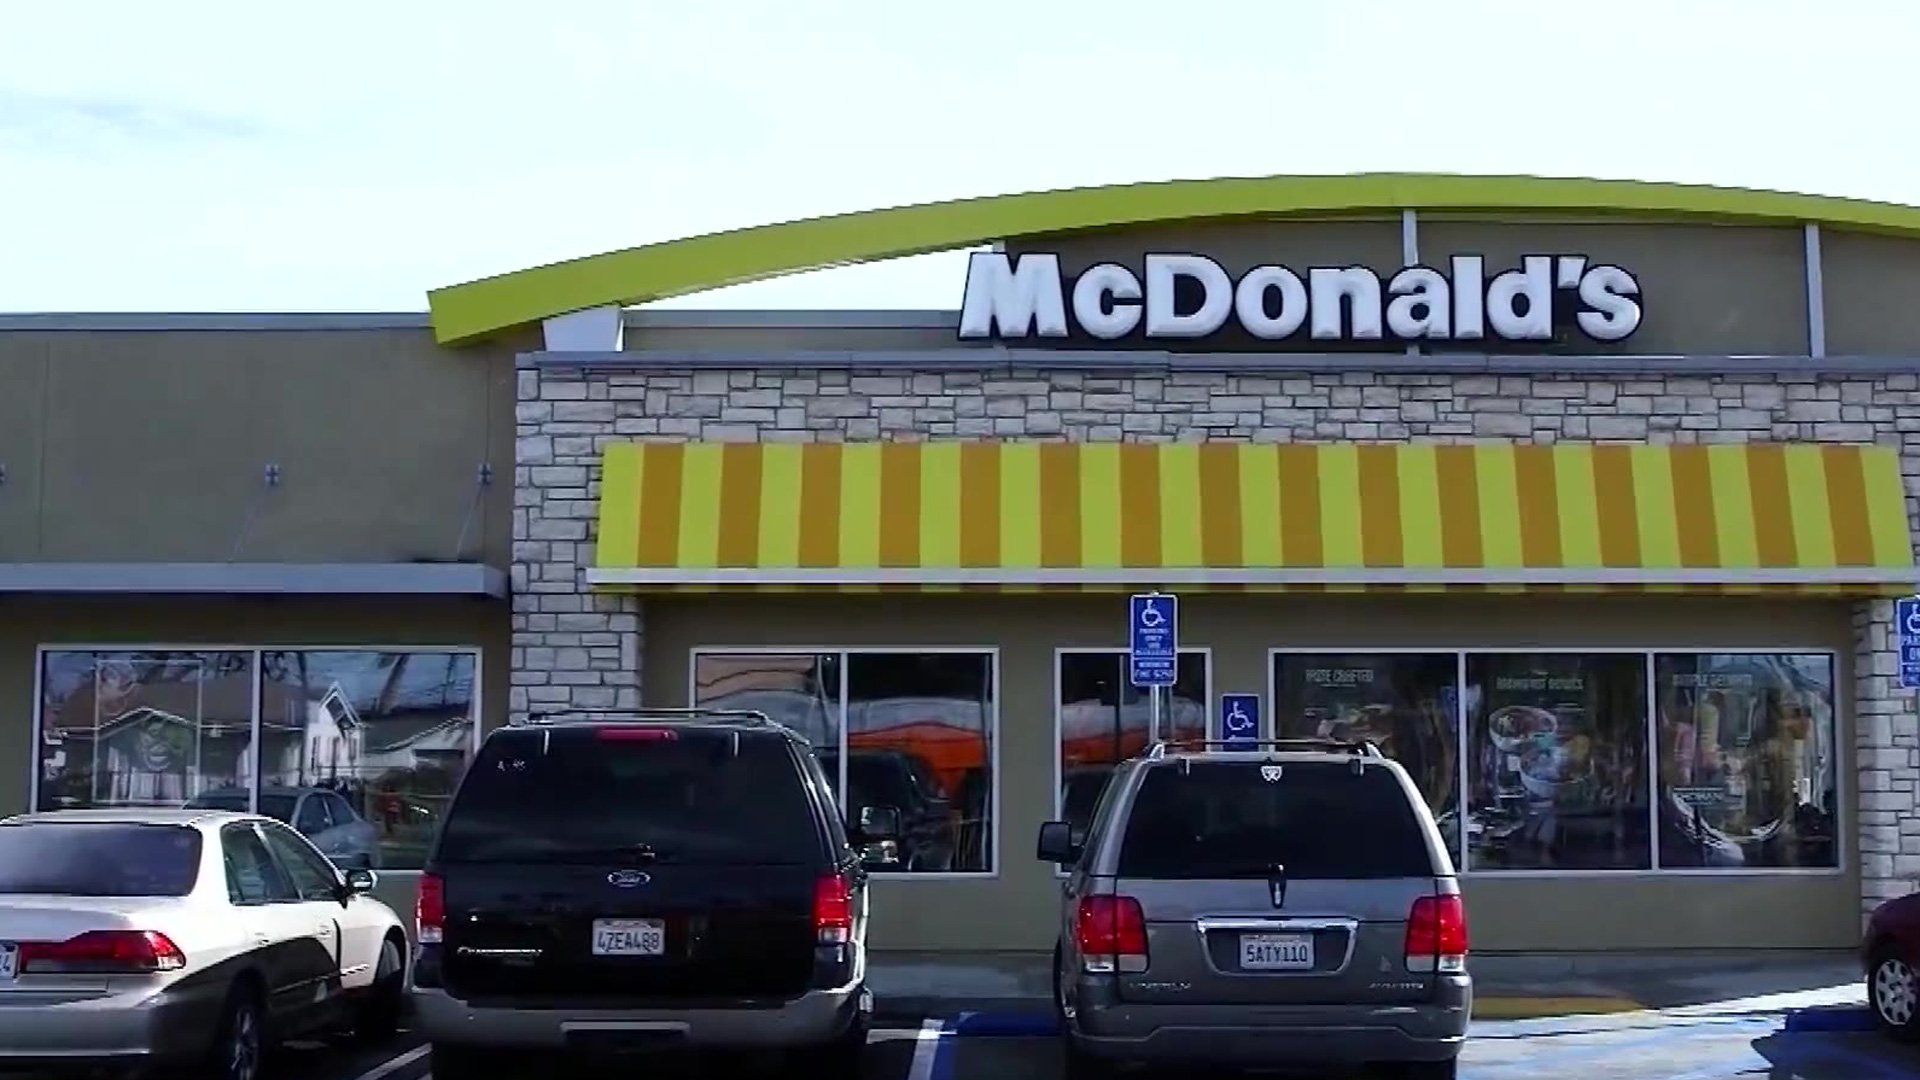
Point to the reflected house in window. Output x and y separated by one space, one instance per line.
132 729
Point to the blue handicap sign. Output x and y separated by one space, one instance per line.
1906 622
1153 638
1239 718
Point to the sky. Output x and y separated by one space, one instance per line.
215 156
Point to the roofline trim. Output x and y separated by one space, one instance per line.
653 319
476 309
226 579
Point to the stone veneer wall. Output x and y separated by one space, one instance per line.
573 648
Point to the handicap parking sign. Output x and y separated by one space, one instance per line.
1240 718
1153 645
1906 621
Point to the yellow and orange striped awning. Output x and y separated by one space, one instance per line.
1233 515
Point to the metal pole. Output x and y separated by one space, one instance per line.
1153 714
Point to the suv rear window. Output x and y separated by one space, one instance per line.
1227 820
87 859
582 795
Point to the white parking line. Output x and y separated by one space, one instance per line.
394 1065
926 1050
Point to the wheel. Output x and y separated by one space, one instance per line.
240 1042
449 1062
1081 1065
1428 1070
377 1016
843 1057
1894 993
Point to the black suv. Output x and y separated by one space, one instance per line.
610 882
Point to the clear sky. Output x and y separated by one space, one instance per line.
216 156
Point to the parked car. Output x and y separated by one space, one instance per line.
1291 905
904 782
622 882
183 938
324 817
1890 953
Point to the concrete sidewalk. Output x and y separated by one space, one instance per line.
912 986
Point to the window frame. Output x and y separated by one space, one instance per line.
1059 656
1842 724
843 652
256 654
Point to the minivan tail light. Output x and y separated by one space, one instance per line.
638 734
1437 934
430 910
1112 934
832 910
103 952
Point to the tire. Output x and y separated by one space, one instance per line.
1893 993
843 1057
239 1048
1081 1065
450 1062
1429 1070
376 1017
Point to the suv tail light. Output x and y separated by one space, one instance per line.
832 910
430 910
1112 934
1437 934
103 952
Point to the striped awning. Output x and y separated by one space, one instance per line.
1232 516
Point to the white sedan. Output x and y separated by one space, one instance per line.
188 938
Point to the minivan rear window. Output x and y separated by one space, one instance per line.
1318 820
571 796
98 859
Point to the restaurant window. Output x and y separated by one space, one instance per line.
1557 761
1406 703
1102 719
1747 760
908 729
359 749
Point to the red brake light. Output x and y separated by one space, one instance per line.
430 910
638 734
1112 934
1437 934
832 910
103 952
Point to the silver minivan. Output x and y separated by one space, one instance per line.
1287 903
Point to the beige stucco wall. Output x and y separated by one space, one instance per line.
151 446
1013 909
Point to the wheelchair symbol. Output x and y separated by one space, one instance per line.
1237 719
1150 616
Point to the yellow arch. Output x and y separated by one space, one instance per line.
699 263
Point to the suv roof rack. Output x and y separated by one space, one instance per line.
552 717
1362 747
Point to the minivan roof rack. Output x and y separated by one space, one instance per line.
1362 747
555 717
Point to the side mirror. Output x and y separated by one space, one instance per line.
1057 844
879 823
882 855
361 880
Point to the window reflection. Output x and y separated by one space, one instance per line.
1557 762
360 751
919 738
1104 719
1404 702
798 690
140 728
1747 769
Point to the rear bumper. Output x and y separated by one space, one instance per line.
148 1024
1254 1035
815 1018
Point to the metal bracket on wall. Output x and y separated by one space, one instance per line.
483 479
270 479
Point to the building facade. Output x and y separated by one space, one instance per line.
1589 501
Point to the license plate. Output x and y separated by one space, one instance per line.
1276 952
9 960
629 937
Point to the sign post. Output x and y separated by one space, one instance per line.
1906 621
1239 719
1153 649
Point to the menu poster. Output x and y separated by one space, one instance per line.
1403 702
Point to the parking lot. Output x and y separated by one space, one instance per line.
1647 1046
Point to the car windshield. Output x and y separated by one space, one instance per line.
98 859
278 807
1317 820
585 795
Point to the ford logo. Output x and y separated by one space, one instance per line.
628 879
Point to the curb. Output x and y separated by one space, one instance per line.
1835 1018
1028 1017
